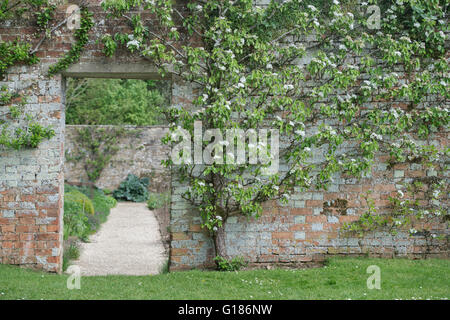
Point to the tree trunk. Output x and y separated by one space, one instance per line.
219 242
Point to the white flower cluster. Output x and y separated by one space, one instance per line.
376 136
133 42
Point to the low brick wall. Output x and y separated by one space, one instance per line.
308 229
139 153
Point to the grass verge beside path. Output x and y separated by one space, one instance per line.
341 278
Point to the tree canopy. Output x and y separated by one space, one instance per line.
114 102
341 86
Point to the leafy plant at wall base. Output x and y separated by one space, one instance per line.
132 189
233 264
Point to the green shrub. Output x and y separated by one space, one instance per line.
102 206
110 201
114 102
233 264
133 189
75 219
79 222
158 200
79 197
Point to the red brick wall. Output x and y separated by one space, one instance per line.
31 183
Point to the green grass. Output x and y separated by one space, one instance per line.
340 279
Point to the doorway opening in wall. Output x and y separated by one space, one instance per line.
117 192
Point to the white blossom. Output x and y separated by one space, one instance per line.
376 136
436 193
133 43
300 133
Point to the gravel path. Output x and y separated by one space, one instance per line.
128 243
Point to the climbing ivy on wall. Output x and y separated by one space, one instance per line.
416 210
96 146
27 133
82 36
18 128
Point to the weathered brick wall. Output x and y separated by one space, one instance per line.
140 152
31 181
310 227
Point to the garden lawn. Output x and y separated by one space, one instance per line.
341 278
